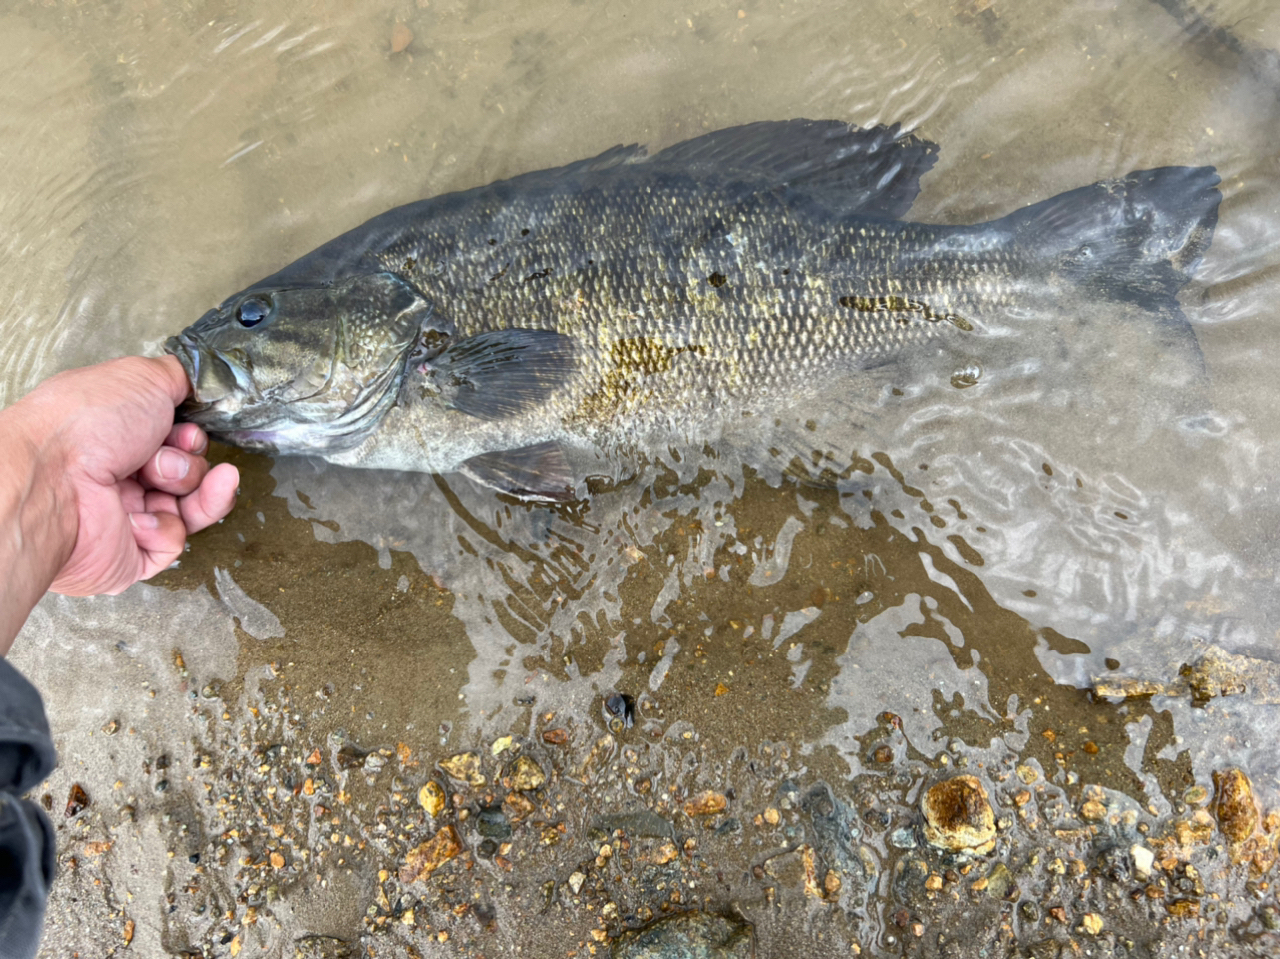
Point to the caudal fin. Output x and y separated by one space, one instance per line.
1137 238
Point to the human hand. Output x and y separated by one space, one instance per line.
136 484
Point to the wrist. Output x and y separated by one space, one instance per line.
38 515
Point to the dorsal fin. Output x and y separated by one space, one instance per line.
612 157
875 172
845 169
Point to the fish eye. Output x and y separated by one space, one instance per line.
254 310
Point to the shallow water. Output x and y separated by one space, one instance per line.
1002 547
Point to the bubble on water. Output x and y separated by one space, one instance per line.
966 377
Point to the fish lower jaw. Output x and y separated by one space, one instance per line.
287 438
295 439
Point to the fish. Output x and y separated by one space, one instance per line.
739 288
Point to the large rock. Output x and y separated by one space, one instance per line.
689 935
1236 809
958 816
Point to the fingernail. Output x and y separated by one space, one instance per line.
144 520
200 442
171 465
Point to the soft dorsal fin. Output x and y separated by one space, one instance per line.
875 172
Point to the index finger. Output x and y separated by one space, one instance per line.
189 437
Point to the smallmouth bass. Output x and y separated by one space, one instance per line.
540 329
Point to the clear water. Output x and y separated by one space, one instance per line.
1009 543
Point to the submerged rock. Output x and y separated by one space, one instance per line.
1093 811
324 947
492 823
1000 882
643 822
835 832
706 803
690 935
351 757
422 861
464 767
517 807
903 838
1143 860
958 816
1216 673
1220 673
621 709
526 774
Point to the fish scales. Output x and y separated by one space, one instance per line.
627 302
610 289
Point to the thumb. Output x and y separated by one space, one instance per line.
171 375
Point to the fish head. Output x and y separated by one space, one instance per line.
301 370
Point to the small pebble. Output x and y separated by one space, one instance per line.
1234 805
1093 811
431 798
401 37
77 800
706 803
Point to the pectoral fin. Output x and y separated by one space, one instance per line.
539 472
504 372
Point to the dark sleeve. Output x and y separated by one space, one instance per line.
26 836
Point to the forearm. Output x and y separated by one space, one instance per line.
37 519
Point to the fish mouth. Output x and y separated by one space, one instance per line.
187 352
200 406
213 377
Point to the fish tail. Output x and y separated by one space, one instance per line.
1137 238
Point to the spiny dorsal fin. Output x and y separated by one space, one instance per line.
875 172
617 156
